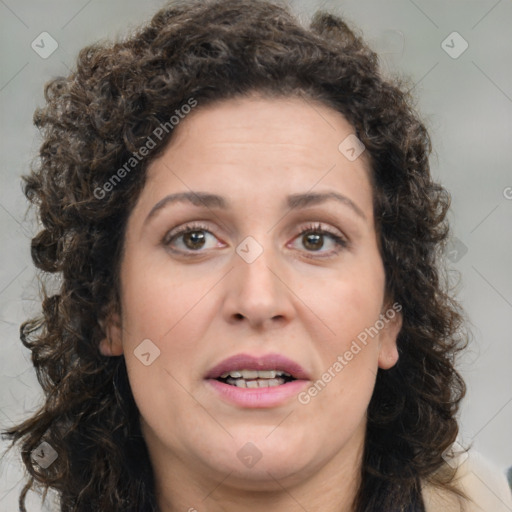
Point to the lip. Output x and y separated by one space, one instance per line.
265 362
258 397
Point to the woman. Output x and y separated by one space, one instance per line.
250 313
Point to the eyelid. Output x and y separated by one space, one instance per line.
187 227
323 228
339 238
182 230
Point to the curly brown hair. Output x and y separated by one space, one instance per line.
96 118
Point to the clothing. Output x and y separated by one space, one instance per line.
485 486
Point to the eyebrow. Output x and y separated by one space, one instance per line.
294 201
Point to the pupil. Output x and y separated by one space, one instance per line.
196 238
316 240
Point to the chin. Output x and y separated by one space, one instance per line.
257 464
266 475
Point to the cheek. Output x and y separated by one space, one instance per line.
161 389
158 304
173 311
350 307
351 302
338 399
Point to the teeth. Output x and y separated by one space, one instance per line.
250 374
257 383
267 374
254 374
255 378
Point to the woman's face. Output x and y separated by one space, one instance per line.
245 290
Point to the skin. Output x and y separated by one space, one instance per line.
294 300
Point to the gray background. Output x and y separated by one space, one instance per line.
465 101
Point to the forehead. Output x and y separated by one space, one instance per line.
307 127
275 147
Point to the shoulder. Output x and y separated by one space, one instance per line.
485 486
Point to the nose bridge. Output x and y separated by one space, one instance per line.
256 291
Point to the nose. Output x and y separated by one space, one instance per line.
257 293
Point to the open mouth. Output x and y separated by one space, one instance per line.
257 381
256 378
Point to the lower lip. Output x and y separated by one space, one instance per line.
259 397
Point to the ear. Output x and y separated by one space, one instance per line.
388 349
112 343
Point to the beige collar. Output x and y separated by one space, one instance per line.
484 485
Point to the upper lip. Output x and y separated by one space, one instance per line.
265 362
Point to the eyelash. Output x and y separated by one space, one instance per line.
340 242
316 229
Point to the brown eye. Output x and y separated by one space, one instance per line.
313 241
194 239
190 238
316 239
